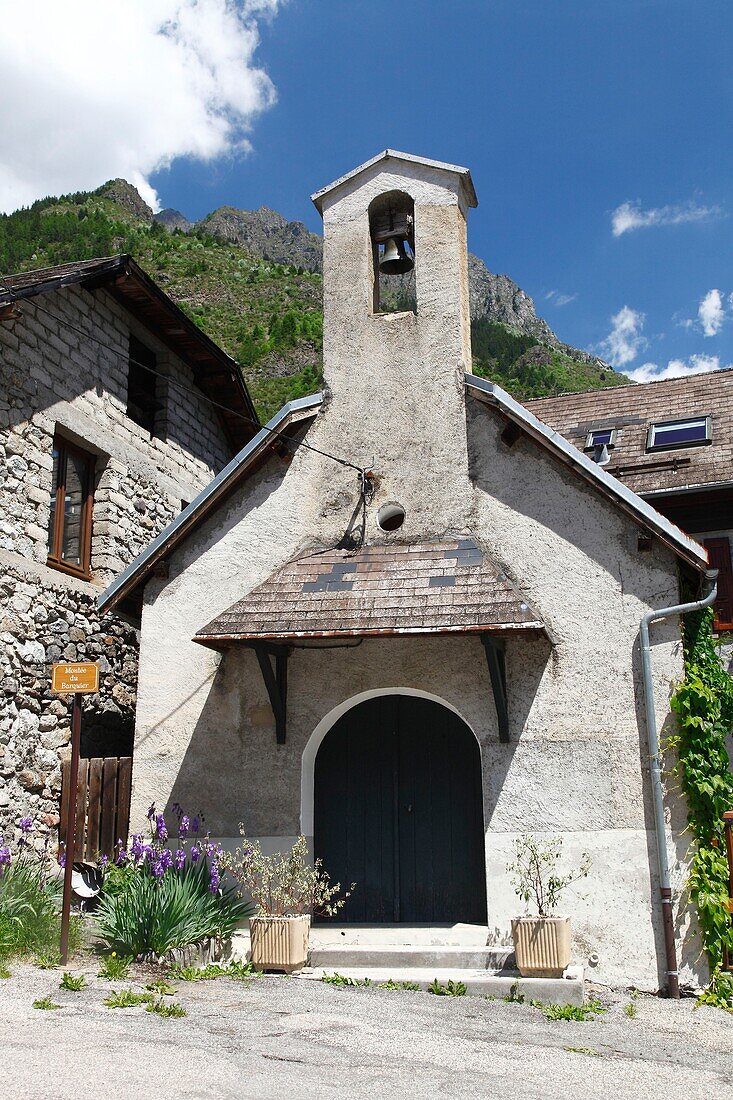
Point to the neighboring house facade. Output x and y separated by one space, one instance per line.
107 430
672 443
422 639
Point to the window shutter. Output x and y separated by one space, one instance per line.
719 555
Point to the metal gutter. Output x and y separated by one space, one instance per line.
682 545
665 886
201 505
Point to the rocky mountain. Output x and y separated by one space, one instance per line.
252 281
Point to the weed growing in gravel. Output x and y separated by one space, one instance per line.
114 967
581 1013
450 989
392 984
236 970
71 983
47 960
161 987
166 1008
342 979
127 998
514 997
45 1002
630 1010
4 971
582 1050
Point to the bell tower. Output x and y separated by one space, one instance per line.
394 377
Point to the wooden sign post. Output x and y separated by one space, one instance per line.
72 679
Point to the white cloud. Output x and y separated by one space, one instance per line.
711 313
559 299
625 340
629 216
676 368
97 90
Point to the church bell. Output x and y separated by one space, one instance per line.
393 231
395 259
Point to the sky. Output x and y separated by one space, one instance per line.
598 134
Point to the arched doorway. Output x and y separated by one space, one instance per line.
398 810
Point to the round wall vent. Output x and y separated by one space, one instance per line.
390 517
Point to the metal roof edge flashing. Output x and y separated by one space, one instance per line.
189 517
410 158
686 547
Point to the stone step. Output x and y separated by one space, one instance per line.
340 955
567 990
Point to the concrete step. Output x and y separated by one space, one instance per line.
379 956
567 990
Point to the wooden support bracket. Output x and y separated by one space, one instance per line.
276 682
495 659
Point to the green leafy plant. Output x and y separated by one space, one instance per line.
161 987
45 1003
167 1009
73 984
30 899
401 986
285 884
47 960
237 970
535 876
4 970
151 915
344 979
514 996
582 1013
114 967
450 989
630 1010
127 998
703 704
583 1050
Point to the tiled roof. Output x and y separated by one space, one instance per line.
420 588
632 409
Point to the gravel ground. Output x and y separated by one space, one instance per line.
291 1037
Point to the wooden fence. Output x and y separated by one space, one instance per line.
103 792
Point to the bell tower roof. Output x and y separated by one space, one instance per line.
466 182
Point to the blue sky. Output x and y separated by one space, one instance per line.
573 117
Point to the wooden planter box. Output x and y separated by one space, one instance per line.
542 946
279 943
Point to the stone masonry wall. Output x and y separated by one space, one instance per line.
53 378
46 617
63 369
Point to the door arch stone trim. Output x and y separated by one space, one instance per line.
308 759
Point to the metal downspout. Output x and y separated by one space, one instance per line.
665 889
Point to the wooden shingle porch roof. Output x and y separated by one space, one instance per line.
446 587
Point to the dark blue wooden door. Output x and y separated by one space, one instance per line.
398 810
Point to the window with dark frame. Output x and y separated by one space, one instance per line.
678 433
143 403
70 522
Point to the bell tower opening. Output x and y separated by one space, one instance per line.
392 233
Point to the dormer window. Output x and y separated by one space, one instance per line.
599 444
678 433
392 232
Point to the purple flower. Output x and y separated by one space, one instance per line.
195 825
62 859
160 830
103 861
215 878
158 869
195 853
166 858
121 857
136 848
179 859
184 826
26 824
4 855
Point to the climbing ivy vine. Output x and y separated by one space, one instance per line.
703 703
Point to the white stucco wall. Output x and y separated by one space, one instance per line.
576 762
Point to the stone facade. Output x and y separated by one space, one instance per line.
575 762
63 372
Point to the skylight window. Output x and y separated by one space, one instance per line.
679 433
601 438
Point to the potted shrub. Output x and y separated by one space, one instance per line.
542 942
287 890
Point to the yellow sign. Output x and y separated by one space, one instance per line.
75 678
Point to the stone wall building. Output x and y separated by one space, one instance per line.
107 430
423 639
